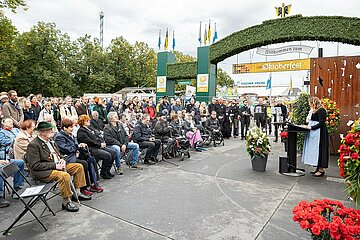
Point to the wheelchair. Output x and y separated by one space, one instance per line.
214 136
182 147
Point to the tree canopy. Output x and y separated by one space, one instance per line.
45 60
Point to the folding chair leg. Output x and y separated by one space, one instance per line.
47 205
27 208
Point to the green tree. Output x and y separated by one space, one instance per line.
87 62
38 62
7 51
223 79
301 110
180 57
12 4
144 65
120 54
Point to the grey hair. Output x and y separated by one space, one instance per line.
111 115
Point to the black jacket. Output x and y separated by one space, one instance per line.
141 132
161 129
87 136
175 129
97 124
212 124
115 135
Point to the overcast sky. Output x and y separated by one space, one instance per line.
140 20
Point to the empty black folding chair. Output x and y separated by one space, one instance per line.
34 194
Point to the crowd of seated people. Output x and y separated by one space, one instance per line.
59 139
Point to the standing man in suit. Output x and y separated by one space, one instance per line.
245 115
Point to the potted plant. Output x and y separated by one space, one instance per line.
349 160
258 146
327 219
284 138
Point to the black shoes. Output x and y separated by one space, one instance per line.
70 207
149 162
4 203
106 174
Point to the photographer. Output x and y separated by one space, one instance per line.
142 135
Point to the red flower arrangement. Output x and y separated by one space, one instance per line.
326 219
284 134
349 152
349 161
333 115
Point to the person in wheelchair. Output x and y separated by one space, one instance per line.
162 131
192 132
213 126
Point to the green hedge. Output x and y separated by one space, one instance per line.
293 28
186 70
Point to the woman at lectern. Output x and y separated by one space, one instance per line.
316 145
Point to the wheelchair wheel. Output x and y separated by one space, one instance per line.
182 156
188 154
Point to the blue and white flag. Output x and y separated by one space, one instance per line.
159 42
268 83
215 35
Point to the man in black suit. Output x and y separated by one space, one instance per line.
142 134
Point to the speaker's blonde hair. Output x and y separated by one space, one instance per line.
315 103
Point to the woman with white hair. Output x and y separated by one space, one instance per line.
191 131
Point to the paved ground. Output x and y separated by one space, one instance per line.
213 195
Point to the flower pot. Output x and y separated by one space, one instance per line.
259 163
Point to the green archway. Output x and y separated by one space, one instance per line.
293 28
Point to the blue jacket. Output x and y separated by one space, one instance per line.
7 138
67 146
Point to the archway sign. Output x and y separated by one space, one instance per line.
293 28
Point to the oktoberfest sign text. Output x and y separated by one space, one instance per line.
278 66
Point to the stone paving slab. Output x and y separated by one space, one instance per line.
213 195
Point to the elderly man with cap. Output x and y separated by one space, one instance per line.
45 163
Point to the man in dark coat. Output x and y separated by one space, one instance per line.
234 111
116 138
162 132
245 115
142 134
260 114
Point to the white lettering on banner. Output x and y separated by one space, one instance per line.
283 67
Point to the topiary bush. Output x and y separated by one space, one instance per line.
301 110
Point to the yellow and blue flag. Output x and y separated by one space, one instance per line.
166 40
205 35
209 32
